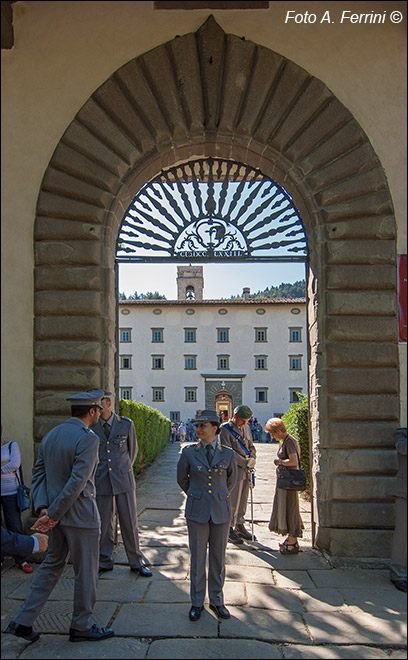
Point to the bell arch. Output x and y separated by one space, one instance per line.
211 94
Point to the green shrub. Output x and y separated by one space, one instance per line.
152 431
296 420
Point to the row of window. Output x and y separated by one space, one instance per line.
223 362
190 394
223 335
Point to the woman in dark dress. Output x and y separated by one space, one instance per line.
285 517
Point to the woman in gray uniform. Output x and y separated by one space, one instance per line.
206 472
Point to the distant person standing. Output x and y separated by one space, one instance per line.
182 431
236 434
116 487
63 492
398 564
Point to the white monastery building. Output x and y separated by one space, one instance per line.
190 353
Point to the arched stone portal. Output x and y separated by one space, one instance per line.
210 94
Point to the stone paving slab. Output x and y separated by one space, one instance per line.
293 579
184 649
249 574
330 628
375 600
322 600
132 589
329 652
273 598
273 559
56 646
353 578
149 620
262 624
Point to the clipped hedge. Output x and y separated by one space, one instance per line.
152 431
296 420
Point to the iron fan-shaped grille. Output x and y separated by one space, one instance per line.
210 210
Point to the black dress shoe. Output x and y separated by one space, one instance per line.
195 613
243 533
401 585
26 632
220 611
102 569
143 571
94 634
234 538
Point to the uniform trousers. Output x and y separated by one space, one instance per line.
83 546
398 564
239 501
215 536
125 504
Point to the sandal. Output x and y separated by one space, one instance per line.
289 548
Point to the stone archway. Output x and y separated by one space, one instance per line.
212 94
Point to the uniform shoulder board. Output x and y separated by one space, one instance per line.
125 418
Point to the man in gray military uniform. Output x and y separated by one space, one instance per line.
207 472
115 486
236 434
63 492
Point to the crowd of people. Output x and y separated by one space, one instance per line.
84 472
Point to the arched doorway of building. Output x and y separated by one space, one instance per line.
223 405
210 94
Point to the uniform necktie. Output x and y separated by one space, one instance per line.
209 454
106 429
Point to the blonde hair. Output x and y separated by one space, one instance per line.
275 424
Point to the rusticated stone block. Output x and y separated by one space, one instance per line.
360 184
367 354
363 381
57 229
380 227
352 163
364 329
365 434
355 542
62 183
76 277
66 352
362 488
187 72
362 515
266 67
53 402
361 252
359 461
62 378
78 137
58 206
379 277
69 327
70 160
76 303
107 130
361 303
339 142
359 207
364 407
72 253
238 62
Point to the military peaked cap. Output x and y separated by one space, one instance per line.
86 398
206 416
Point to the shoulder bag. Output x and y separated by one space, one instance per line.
23 491
289 479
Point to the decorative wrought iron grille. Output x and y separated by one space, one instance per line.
210 210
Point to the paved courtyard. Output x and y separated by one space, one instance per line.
300 606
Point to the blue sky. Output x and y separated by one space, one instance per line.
220 280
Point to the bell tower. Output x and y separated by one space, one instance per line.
190 283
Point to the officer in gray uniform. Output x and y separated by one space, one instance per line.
206 472
115 486
236 434
63 492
